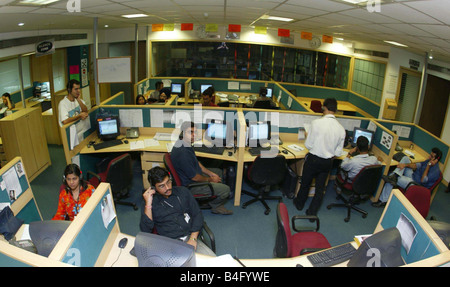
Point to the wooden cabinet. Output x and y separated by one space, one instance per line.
23 135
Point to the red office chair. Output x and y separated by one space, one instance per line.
363 186
119 174
431 188
202 199
265 172
304 241
420 198
316 106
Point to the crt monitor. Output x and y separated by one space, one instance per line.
269 92
204 87
362 132
45 234
108 127
382 249
176 88
219 133
258 133
154 250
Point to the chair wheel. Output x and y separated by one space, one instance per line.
346 219
244 206
364 216
267 212
329 207
135 207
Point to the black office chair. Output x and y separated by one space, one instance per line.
363 186
265 172
223 104
262 105
119 174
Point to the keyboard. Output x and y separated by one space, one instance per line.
332 256
106 144
255 151
213 149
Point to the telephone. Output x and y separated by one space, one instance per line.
132 133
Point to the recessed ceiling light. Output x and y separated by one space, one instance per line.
37 2
134 15
106 26
276 18
395 43
355 1
20 24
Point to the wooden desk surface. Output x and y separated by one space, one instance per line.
419 154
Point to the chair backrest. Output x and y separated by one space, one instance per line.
366 181
437 182
283 240
268 170
119 173
169 166
420 198
316 106
262 105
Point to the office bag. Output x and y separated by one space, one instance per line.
290 183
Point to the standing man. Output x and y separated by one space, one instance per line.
72 107
190 170
154 96
324 141
172 210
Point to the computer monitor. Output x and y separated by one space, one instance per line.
204 87
176 88
379 250
269 92
219 133
357 132
154 250
258 133
108 127
45 234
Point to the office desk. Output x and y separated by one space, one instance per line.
419 154
343 107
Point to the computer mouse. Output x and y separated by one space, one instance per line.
412 157
284 151
123 242
125 141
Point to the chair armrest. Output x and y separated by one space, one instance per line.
207 231
93 175
310 250
203 183
310 217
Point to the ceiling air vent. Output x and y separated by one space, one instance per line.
372 53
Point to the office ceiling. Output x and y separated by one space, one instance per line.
422 25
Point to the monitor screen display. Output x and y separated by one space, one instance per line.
216 130
108 127
269 92
259 131
176 88
357 132
204 87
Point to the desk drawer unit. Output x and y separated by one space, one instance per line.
149 160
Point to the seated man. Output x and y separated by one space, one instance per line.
190 170
263 97
172 210
353 165
425 173
208 96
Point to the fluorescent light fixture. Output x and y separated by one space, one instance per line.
355 1
37 2
20 24
276 18
134 15
395 43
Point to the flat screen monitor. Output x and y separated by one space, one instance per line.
258 133
176 88
219 133
269 92
45 234
357 132
204 87
154 250
108 128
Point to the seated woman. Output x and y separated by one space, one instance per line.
140 100
75 194
6 98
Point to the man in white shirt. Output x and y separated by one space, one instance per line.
325 140
72 107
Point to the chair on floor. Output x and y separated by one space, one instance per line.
432 188
363 186
119 174
303 241
420 198
202 199
265 172
316 106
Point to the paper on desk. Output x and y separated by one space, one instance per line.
108 213
151 142
295 147
136 145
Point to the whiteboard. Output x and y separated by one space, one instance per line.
114 70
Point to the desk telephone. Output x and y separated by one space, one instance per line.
132 133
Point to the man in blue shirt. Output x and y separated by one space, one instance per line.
190 170
425 173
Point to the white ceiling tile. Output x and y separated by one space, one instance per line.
406 14
440 31
438 9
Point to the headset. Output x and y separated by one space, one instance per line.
73 169
154 169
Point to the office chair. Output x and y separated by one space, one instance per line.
262 105
316 106
119 174
265 172
431 188
202 199
420 198
223 104
304 241
363 186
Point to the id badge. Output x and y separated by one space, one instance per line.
187 217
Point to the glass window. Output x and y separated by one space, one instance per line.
368 79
